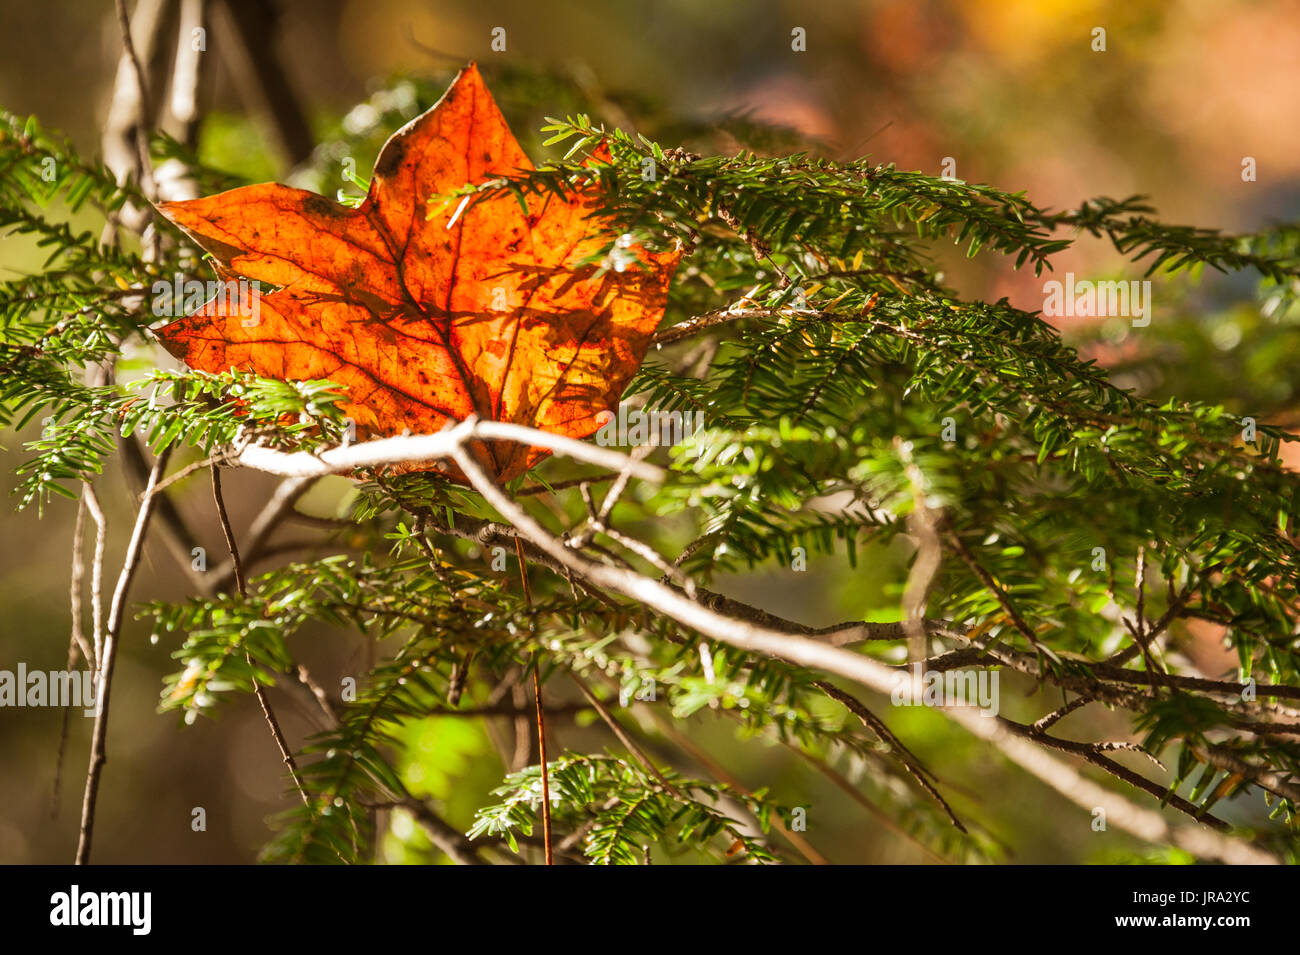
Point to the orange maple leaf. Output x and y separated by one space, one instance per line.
428 314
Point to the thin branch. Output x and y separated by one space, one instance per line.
623 737
108 658
1140 586
428 447
1232 763
923 524
1016 744
700 323
96 572
621 482
242 587
541 716
1094 753
491 534
172 526
810 653
241 584
143 111
719 772
76 645
273 513
598 523
182 473
954 539
913 765
840 782
561 485
1139 626
1177 601
1051 719
78 637
448 838
322 698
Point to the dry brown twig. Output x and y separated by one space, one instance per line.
108 658
241 586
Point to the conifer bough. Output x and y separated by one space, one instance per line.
1062 533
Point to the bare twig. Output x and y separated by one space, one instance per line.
840 782
795 648
810 653
719 772
1226 760
456 846
144 165
442 834
247 32
108 657
694 326
623 736
1139 625
187 68
923 524
182 473
129 113
273 513
77 644
1095 753
913 765
541 716
428 447
598 523
318 692
242 587
74 589
1106 682
173 529
955 541
1051 719
96 572
561 485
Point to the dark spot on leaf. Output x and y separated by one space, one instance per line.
319 205
391 157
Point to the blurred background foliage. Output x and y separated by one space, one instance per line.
1011 90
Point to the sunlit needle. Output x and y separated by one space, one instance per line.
459 209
